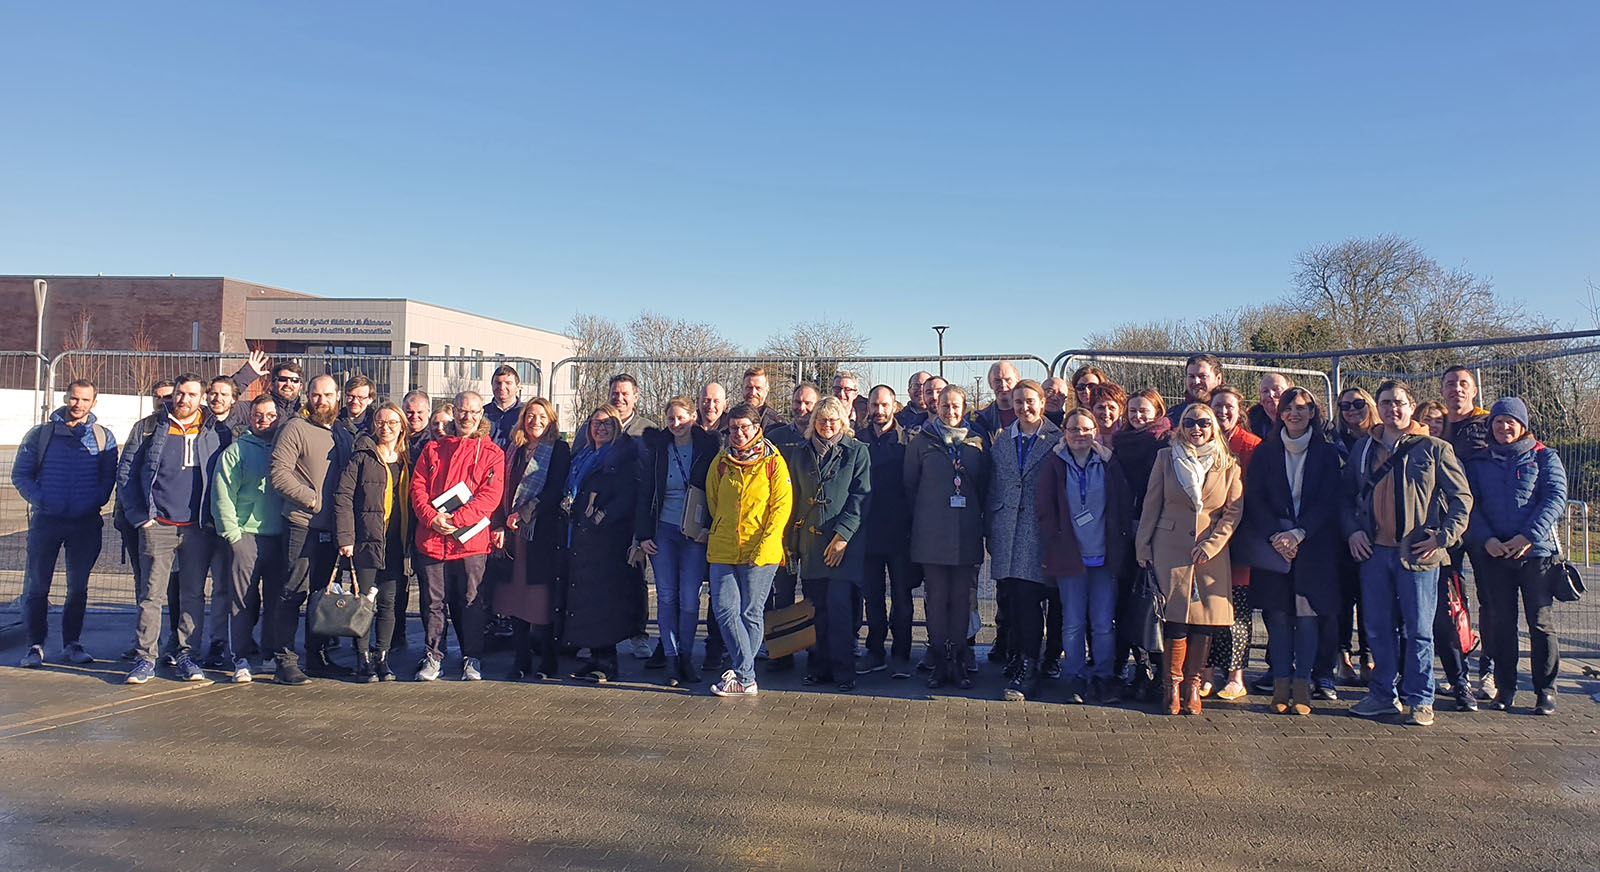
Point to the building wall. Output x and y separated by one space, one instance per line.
145 313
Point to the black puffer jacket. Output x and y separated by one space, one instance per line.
653 474
358 504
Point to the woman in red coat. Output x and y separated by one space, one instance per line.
1231 647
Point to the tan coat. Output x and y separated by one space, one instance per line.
1169 530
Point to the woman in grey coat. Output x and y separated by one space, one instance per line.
1014 557
947 481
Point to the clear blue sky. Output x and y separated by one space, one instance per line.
1026 172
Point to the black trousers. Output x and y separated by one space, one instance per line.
1501 583
1026 603
385 581
903 577
309 556
456 586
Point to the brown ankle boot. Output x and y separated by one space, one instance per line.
1302 697
1172 671
1194 665
1280 695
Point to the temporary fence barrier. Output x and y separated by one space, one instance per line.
22 383
661 379
1167 374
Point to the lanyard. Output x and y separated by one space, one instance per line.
1081 476
1024 449
955 463
677 461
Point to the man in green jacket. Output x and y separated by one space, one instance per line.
1406 501
249 515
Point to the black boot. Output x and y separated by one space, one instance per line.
941 671
1020 687
955 666
544 641
380 666
364 671
686 672
658 659
317 662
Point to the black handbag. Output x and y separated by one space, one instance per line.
343 615
1141 621
1566 584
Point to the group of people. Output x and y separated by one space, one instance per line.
1082 498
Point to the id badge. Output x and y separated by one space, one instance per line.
1083 518
958 502
324 537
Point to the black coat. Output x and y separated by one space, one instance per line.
358 505
653 464
1269 509
600 583
887 528
1135 451
537 560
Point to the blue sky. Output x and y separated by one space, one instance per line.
1026 172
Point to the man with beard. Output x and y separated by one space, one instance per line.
287 380
1202 374
355 417
887 532
306 461
162 479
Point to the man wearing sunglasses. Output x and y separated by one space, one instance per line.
287 378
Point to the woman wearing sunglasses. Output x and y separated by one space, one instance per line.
1358 413
1191 506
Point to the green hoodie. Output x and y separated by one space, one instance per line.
243 499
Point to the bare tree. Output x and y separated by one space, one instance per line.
596 337
78 335
671 341
819 346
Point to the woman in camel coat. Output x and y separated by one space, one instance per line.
1191 506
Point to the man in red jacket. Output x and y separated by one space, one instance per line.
453 540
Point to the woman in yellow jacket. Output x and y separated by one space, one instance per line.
749 496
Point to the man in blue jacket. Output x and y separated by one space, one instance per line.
162 480
65 469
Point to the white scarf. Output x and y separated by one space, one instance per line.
1191 464
1294 456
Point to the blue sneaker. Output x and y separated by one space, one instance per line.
143 671
190 670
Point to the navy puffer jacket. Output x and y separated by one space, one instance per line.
1517 488
77 475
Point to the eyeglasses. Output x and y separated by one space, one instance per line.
1197 423
289 379
1356 405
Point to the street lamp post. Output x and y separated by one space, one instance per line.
40 289
939 329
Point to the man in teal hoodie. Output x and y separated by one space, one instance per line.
249 515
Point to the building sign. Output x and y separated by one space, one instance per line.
303 327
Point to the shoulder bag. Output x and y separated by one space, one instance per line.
341 611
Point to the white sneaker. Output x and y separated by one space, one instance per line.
730 685
428 670
641 647
470 670
241 671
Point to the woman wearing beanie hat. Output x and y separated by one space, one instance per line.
1519 491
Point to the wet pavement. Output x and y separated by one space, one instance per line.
493 775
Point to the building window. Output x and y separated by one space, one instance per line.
530 374
477 364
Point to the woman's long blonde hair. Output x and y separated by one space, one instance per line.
1224 454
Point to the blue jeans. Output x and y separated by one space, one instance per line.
48 535
739 598
1292 643
1088 601
1397 603
680 566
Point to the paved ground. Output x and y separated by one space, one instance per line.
449 776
